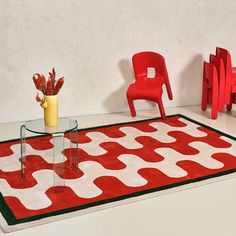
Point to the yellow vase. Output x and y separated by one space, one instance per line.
50 106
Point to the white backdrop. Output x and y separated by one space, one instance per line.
91 43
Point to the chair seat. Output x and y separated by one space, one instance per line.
234 70
149 90
234 89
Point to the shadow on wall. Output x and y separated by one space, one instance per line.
116 101
189 86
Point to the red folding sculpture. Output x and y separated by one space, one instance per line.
223 89
230 77
148 88
210 89
219 64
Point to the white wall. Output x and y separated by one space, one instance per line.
91 43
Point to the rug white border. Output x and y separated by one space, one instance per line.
10 228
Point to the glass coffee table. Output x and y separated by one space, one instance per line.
65 125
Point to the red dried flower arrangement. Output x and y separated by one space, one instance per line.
50 87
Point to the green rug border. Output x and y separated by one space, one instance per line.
11 220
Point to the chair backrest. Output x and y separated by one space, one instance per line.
144 60
219 64
225 55
210 76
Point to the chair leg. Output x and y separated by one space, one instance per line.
161 108
214 111
221 99
234 98
131 107
229 106
215 104
227 92
204 98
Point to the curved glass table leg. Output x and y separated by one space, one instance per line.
23 150
58 160
74 149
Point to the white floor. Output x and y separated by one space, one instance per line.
207 210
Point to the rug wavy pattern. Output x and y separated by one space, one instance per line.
115 162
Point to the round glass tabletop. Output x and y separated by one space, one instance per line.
64 125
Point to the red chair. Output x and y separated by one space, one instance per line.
219 64
210 89
148 88
230 77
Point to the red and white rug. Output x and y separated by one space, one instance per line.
118 164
